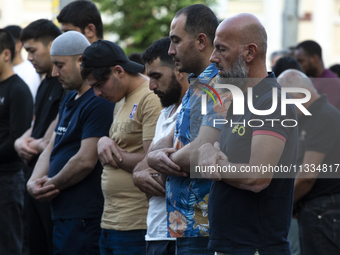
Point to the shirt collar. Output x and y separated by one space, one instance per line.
209 73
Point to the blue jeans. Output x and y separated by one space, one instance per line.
76 236
122 242
193 245
12 187
319 226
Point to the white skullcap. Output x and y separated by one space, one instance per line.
69 44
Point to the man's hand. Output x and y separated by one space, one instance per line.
208 155
40 192
160 161
106 148
23 148
150 182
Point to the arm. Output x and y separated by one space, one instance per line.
158 158
206 134
130 160
265 150
42 143
305 180
20 107
35 185
23 146
148 180
78 167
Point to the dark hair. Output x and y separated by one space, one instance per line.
99 73
335 69
285 63
81 13
311 47
159 49
136 57
7 42
40 30
15 31
200 19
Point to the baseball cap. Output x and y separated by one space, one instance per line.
103 53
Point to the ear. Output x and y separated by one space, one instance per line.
18 46
7 54
90 31
118 71
202 41
251 52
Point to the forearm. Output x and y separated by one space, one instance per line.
165 142
47 136
42 166
302 188
238 176
76 169
183 157
130 160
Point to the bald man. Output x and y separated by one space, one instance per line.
249 212
316 193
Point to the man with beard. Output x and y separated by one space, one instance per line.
309 55
249 212
192 32
170 85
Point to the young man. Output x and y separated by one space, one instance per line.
24 69
170 86
37 38
84 17
16 111
249 212
70 160
192 33
114 77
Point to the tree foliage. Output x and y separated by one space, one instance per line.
138 23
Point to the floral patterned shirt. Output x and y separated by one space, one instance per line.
187 198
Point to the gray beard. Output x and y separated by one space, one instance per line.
238 73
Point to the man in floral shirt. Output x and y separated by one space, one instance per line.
192 32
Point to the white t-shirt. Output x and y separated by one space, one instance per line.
156 219
27 72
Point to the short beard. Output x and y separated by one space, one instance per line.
172 94
238 73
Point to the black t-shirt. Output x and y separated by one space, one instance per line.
321 133
48 99
16 112
242 221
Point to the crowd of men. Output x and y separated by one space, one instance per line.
99 154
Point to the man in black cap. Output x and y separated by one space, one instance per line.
114 77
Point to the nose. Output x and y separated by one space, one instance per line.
171 50
152 85
30 56
55 72
214 58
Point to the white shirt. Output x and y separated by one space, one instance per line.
156 219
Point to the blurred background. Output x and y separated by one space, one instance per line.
135 24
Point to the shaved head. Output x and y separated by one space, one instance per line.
248 29
295 78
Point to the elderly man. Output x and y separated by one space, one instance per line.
249 213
